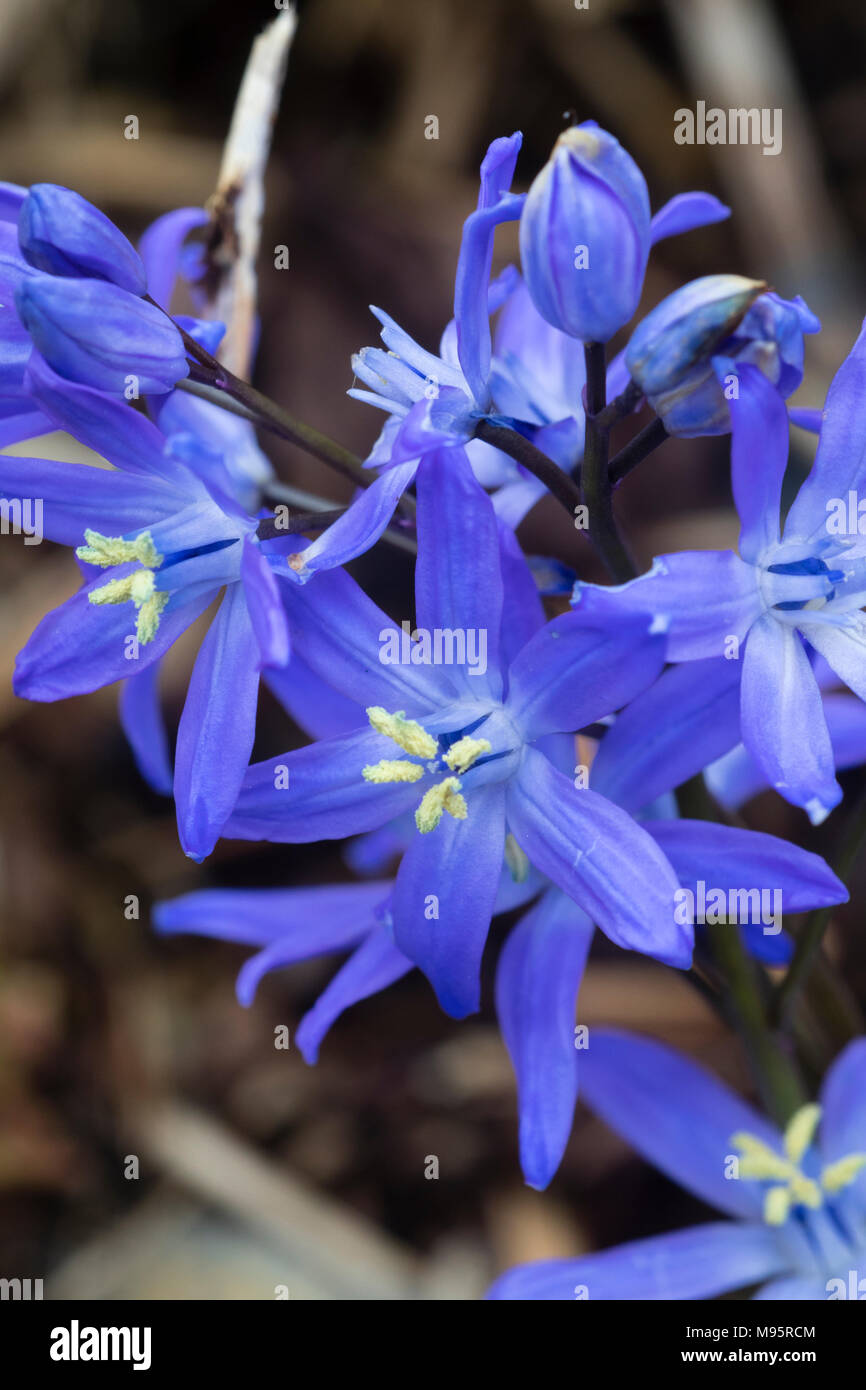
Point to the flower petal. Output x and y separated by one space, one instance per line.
537 980
362 525
679 1116
444 896
685 213
374 965
700 1262
309 921
601 858
458 580
217 727
143 724
783 720
689 717
583 665
759 454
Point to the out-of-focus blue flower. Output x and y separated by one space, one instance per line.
460 738
797 1199
94 333
670 353
759 609
158 537
61 233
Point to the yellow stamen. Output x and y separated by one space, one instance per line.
462 754
406 733
517 861
106 551
777 1205
801 1131
839 1174
445 796
758 1160
393 770
149 615
138 588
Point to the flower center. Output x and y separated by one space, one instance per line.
792 1187
456 754
139 587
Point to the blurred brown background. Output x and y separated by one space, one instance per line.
255 1171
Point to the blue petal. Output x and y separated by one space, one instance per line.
82 646
123 436
684 213
522 609
471 313
76 496
759 430
793 1290
265 605
217 727
679 1116
374 965
319 793
601 858
314 705
444 897
843 647
726 857
458 580
309 921
840 463
687 719
142 722
362 525
160 249
700 1262
700 597
60 232
783 721
583 666
843 1097
341 633
537 980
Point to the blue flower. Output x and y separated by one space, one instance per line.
586 233
760 608
798 1199
670 352
61 233
463 742
158 538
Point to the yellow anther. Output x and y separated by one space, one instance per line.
758 1160
462 754
777 1205
115 591
149 615
518 863
138 588
445 796
800 1131
839 1174
406 733
106 551
393 770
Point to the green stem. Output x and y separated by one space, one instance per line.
810 938
777 1079
636 451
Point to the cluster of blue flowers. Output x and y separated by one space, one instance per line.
583 768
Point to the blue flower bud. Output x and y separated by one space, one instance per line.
585 235
670 353
63 234
99 335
